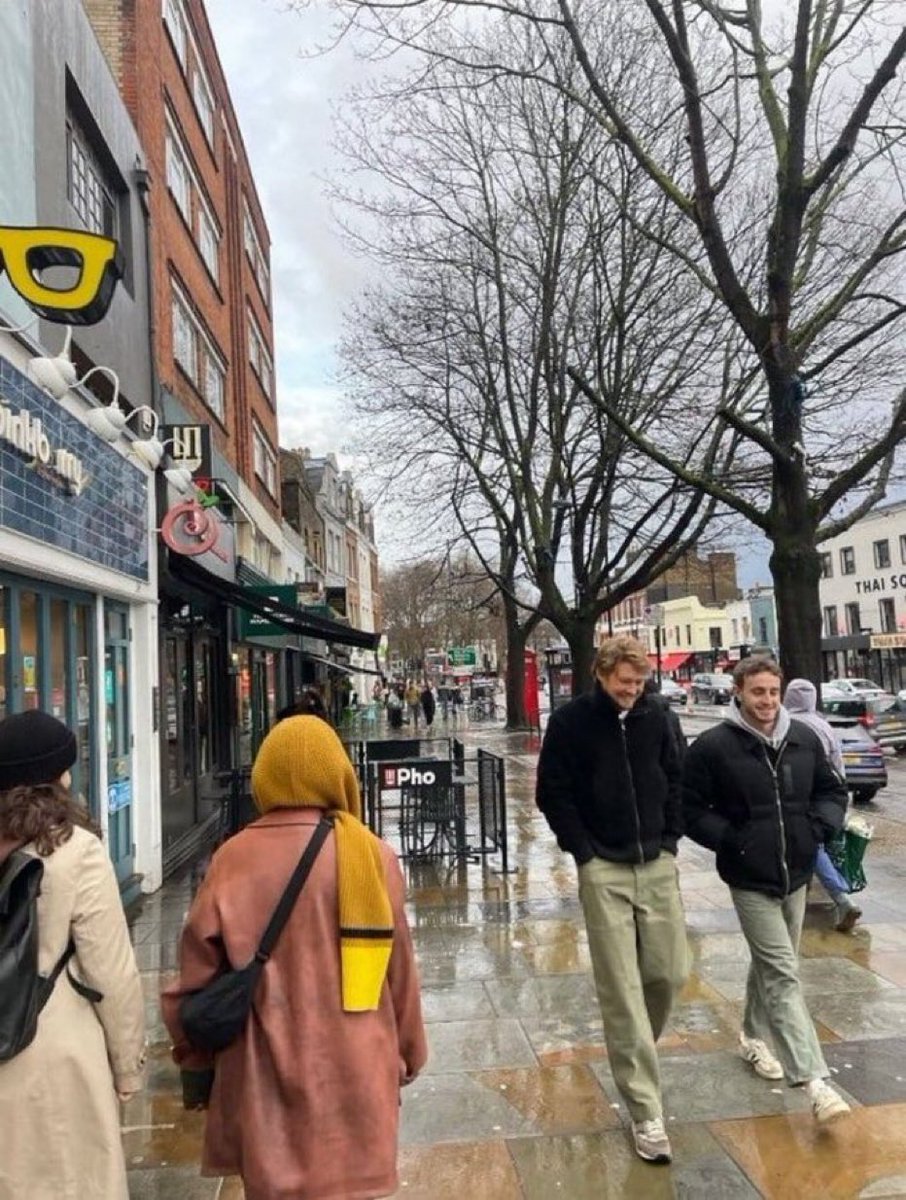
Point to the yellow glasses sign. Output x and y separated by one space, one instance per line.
25 253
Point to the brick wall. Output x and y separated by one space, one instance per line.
154 85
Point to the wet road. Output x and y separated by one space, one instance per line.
517 1100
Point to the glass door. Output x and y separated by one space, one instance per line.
118 726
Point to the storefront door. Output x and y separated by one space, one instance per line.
118 724
46 661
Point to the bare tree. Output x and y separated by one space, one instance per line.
778 142
507 270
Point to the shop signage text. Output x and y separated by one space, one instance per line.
26 433
887 641
895 582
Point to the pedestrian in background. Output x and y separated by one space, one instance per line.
305 1103
413 701
59 1096
758 790
428 705
801 702
609 785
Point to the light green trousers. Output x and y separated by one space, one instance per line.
637 940
775 1006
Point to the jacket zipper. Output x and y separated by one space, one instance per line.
783 863
635 802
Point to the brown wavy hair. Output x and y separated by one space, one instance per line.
45 814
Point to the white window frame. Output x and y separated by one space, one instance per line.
256 255
213 369
89 194
203 98
174 16
185 340
259 356
265 460
179 174
208 241
205 359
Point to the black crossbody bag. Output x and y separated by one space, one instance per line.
215 1015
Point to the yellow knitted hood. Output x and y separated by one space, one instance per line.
301 764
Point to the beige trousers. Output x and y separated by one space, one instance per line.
637 939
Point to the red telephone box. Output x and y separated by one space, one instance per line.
530 689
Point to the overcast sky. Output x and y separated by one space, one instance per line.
282 97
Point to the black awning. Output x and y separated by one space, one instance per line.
294 619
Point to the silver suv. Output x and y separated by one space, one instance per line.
712 689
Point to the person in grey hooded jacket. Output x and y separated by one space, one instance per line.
801 702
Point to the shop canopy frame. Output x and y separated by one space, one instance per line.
294 619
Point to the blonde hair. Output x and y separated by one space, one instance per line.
620 649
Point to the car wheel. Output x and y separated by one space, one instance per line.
865 795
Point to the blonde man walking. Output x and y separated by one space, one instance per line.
609 786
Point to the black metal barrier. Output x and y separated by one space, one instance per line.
444 805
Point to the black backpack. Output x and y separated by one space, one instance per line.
23 991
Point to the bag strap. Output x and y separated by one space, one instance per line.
293 888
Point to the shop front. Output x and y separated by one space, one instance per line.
78 609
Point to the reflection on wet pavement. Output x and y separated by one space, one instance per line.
518 1100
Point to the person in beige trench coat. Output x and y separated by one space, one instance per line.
305 1104
59 1106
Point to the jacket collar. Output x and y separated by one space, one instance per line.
605 705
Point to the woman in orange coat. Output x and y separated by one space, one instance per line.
305 1103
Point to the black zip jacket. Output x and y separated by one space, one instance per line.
764 812
610 788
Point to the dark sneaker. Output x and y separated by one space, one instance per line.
848 912
651 1141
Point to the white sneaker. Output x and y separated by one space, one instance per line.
651 1141
827 1104
847 913
759 1057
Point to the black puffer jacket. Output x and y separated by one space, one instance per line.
610 788
765 819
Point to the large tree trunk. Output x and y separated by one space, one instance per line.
796 569
795 561
516 716
579 632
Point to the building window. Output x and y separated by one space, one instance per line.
259 357
688 635
204 101
763 630
735 630
176 23
888 616
214 385
676 634
254 251
847 561
265 461
882 553
903 548
208 243
830 621
853 618
827 566
87 192
185 349
178 178
195 353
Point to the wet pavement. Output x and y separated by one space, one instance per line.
518 1100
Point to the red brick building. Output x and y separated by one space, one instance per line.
220 681
213 322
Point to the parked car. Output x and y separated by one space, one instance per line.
712 689
673 693
857 687
863 761
883 716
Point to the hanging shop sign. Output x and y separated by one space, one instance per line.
190 447
252 624
202 534
887 641
26 252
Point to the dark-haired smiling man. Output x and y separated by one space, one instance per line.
759 791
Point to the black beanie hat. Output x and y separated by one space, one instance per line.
34 748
